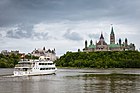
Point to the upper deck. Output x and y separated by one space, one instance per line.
26 63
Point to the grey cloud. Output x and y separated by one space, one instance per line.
27 32
72 35
34 11
21 31
0 35
40 36
97 36
94 36
18 34
11 34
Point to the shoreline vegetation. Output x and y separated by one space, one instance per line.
9 61
84 60
102 59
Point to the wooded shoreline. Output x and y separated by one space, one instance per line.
104 59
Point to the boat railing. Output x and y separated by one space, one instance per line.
23 65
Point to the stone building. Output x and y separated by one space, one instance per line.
45 52
101 45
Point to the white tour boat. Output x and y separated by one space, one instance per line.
35 67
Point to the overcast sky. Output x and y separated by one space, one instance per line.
66 24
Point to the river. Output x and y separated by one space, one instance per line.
73 81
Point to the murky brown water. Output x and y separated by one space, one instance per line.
73 81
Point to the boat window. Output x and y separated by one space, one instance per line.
49 63
48 58
23 64
24 69
47 68
45 63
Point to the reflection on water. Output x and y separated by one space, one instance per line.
112 83
74 81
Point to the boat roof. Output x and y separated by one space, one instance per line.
44 58
33 61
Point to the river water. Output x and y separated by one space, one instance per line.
73 81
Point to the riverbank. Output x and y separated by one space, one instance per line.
95 68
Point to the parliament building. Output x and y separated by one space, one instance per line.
101 45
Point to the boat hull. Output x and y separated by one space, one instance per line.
30 73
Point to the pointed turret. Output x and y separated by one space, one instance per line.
85 44
120 41
101 37
44 48
126 42
90 42
54 49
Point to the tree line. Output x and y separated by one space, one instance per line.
102 59
9 61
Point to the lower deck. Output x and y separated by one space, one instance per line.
34 72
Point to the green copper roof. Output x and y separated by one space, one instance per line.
92 46
113 45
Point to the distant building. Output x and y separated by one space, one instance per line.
15 52
6 52
101 45
45 52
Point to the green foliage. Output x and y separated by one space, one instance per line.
9 61
104 59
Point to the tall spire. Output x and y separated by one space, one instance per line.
112 31
112 36
101 37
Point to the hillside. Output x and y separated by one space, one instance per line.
108 59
